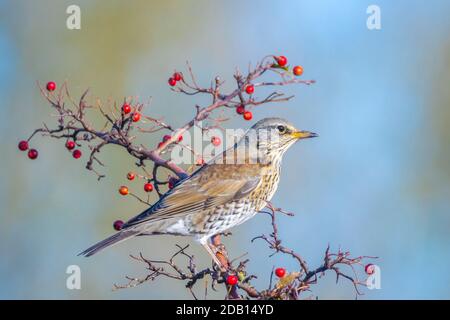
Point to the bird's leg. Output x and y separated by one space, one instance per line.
220 250
213 256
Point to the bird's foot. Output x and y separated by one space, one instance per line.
221 256
218 254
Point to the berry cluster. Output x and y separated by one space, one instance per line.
247 115
126 109
70 145
148 187
32 153
124 191
281 62
23 145
177 76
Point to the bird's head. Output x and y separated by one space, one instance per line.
275 135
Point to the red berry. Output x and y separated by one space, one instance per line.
248 115
136 117
126 108
177 76
166 137
232 280
172 82
249 88
23 145
148 187
281 60
51 86
70 144
123 190
76 154
280 272
131 176
118 225
180 138
32 154
172 182
160 144
298 70
370 268
200 161
240 109
215 141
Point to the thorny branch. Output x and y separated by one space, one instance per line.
290 287
119 128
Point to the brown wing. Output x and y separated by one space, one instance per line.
211 186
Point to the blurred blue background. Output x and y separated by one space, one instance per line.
376 182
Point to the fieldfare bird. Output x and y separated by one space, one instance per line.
224 193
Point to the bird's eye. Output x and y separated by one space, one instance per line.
281 129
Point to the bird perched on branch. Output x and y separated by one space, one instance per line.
224 193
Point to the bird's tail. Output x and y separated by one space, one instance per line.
116 238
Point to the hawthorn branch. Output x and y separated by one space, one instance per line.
291 286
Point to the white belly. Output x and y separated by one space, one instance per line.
178 227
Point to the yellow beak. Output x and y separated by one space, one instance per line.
304 134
